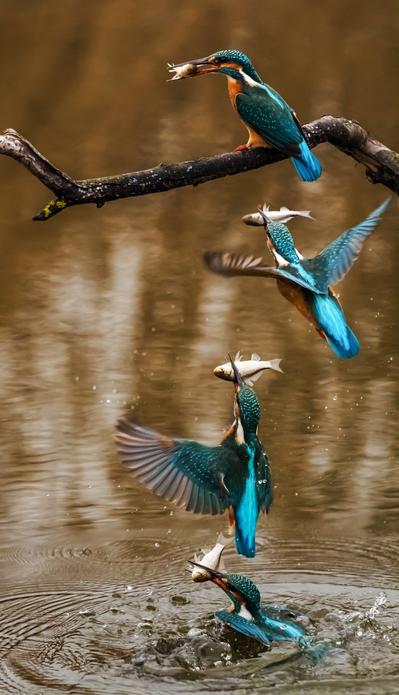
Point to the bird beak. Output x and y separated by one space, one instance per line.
265 218
216 577
202 65
237 378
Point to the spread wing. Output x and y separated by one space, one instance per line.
244 626
229 264
179 470
336 259
272 119
264 480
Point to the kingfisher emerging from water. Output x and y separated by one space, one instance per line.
307 282
270 121
246 614
234 475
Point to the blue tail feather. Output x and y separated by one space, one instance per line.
247 512
307 165
245 545
331 320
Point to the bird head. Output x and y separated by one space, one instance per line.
279 240
228 62
240 589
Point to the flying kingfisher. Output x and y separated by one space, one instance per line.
270 121
246 614
234 475
307 282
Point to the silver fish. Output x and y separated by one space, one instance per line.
180 72
211 558
250 370
283 215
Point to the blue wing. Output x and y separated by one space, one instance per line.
269 116
182 471
336 259
245 627
264 481
229 264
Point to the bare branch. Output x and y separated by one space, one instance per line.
381 164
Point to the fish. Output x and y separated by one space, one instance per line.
283 215
211 558
250 370
180 72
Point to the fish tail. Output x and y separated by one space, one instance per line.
275 364
307 165
307 213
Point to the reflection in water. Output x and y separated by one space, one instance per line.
103 310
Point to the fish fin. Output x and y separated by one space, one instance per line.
238 356
222 540
254 377
284 209
256 357
249 381
275 364
265 207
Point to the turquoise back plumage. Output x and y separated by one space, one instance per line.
246 588
267 624
282 241
249 412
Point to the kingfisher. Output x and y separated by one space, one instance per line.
307 282
270 121
234 475
246 614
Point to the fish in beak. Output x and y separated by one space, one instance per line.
265 218
216 577
192 68
222 581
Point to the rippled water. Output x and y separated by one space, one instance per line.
111 309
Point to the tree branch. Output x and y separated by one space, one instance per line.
381 164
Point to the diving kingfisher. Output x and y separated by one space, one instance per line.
234 475
307 282
246 614
270 121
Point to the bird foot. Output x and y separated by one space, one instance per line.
241 148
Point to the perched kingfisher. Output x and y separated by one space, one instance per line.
307 282
234 475
270 121
265 623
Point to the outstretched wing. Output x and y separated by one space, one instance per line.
264 485
244 626
336 259
225 263
179 470
272 119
